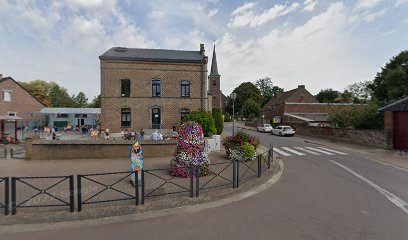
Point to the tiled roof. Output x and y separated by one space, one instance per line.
71 111
154 55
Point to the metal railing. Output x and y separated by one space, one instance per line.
18 153
167 180
3 152
31 201
222 174
112 187
5 202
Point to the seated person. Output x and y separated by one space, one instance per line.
156 136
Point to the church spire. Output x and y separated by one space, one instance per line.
214 68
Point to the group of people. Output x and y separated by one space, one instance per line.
132 135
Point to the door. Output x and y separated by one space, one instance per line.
401 130
156 118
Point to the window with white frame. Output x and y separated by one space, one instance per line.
12 114
7 95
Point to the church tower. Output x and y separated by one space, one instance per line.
214 83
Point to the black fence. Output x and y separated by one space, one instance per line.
4 202
43 196
118 186
116 190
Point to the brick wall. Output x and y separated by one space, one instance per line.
21 101
316 108
374 138
82 149
140 101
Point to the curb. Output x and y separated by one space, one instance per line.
149 214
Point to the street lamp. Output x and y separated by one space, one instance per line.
233 97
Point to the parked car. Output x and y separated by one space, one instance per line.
283 131
264 128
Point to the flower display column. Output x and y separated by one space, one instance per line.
190 151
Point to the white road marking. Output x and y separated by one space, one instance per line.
281 152
319 150
390 196
293 151
308 151
331 150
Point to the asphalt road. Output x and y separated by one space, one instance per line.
322 195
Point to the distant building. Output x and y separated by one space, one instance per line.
299 106
18 108
63 117
155 88
396 122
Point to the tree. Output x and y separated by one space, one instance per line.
359 117
40 89
251 109
219 124
81 100
59 97
205 119
327 96
96 102
267 89
244 92
360 92
391 84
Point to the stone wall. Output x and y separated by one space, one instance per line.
374 138
85 149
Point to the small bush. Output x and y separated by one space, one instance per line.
227 117
236 142
205 119
219 124
248 150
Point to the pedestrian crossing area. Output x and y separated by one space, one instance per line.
302 151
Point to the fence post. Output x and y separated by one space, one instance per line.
71 194
191 171
143 188
6 196
270 155
237 184
259 166
136 173
13 196
234 173
11 153
197 170
79 192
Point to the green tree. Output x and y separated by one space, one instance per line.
205 119
244 92
96 102
59 97
267 89
391 84
359 117
360 92
39 89
327 96
251 109
219 123
81 100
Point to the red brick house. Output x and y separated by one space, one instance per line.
396 121
299 106
17 107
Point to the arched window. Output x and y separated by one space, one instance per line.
125 117
185 88
184 112
156 88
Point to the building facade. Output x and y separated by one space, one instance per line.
18 108
78 117
152 88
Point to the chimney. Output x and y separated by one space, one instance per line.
202 50
301 86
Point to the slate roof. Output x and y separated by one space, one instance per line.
214 67
71 110
398 106
152 55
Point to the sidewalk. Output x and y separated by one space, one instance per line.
393 157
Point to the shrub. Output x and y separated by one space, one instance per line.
219 124
227 117
248 150
236 142
205 119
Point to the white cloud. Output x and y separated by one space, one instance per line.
367 16
366 4
244 16
399 2
158 14
309 5
213 12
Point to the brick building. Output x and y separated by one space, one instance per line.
396 122
154 88
299 106
17 108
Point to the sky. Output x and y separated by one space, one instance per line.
318 43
